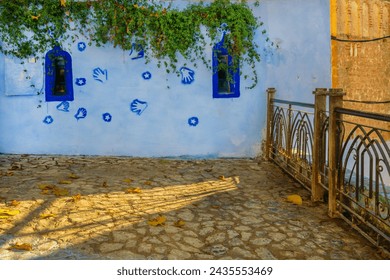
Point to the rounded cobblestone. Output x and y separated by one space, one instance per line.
212 209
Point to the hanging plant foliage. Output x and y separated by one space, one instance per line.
31 27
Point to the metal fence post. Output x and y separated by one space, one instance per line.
335 101
270 109
319 108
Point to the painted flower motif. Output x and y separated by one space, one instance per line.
100 74
81 113
48 120
81 46
81 81
63 106
138 106
193 121
187 75
107 117
147 75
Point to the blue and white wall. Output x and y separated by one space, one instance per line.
123 106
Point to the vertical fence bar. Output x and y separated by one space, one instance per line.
270 109
335 101
319 108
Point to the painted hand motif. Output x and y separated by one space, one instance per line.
136 52
138 106
81 113
187 75
63 106
100 74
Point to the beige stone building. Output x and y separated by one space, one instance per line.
361 53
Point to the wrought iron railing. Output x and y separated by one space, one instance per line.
341 161
364 170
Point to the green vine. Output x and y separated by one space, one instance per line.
31 27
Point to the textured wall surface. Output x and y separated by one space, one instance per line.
123 106
362 68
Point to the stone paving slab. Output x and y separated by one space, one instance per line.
136 208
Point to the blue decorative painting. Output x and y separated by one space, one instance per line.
146 75
58 75
136 52
63 106
193 121
48 120
187 75
100 75
81 113
107 117
138 106
81 46
81 81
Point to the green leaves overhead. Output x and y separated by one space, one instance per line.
31 27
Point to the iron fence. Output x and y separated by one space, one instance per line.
332 153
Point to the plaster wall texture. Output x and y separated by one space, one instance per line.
126 114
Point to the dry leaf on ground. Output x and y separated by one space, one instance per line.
64 182
76 197
45 216
14 203
133 190
294 198
23 246
60 192
73 176
179 223
6 213
127 180
159 221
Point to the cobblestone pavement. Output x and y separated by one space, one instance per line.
132 208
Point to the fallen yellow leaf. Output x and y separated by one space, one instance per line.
179 223
147 183
127 180
24 246
222 178
14 203
73 176
60 192
133 190
46 186
294 198
8 212
105 185
158 221
45 216
65 182
76 197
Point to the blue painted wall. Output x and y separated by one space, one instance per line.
123 106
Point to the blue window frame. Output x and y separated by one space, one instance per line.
226 82
58 75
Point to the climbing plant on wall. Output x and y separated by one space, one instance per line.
31 27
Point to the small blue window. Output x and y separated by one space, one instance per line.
58 75
226 81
